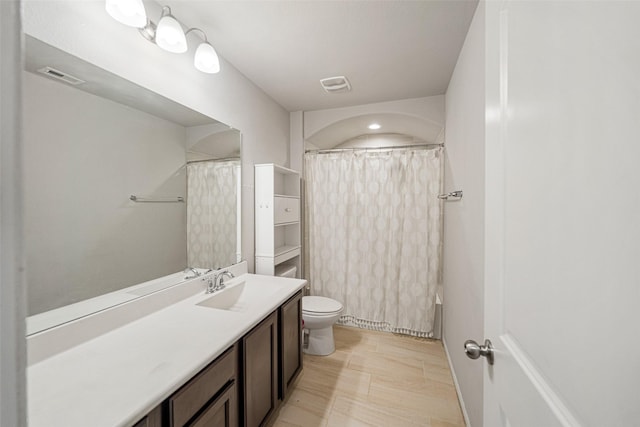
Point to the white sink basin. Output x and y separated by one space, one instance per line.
239 296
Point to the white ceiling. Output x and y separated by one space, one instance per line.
389 50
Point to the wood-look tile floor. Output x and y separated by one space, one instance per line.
374 379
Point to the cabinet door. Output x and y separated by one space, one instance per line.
290 323
193 396
260 372
222 412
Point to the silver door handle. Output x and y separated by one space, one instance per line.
474 351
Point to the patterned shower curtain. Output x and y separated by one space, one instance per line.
212 213
374 235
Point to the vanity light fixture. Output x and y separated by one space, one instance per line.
127 12
206 58
374 126
168 34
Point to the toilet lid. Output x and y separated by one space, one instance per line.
315 304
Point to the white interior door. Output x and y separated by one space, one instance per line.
562 213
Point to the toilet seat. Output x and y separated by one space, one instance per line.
320 306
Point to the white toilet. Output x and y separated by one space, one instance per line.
319 314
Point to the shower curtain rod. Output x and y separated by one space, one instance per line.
227 159
387 147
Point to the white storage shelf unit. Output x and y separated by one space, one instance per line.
277 202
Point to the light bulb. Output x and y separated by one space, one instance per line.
206 59
374 126
169 35
127 12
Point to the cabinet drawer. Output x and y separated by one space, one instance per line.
286 209
187 401
223 412
153 419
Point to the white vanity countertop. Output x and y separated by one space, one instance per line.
117 378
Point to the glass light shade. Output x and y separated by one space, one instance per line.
169 35
127 12
206 59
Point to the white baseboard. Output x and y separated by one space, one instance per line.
455 382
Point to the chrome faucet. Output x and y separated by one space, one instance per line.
195 272
217 282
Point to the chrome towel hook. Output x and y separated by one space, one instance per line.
457 195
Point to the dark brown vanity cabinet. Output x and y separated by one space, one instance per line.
260 372
247 383
290 343
210 399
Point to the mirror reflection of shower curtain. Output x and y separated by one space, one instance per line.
375 235
212 214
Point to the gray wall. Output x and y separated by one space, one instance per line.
463 258
83 156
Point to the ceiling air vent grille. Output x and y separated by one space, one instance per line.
57 74
336 84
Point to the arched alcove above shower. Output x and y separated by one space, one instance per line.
212 141
404 122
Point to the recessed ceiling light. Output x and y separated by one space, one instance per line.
374 126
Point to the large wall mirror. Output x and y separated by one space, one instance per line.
91 141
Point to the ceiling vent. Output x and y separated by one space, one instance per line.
336 84
57 74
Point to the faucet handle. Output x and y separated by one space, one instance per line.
210 285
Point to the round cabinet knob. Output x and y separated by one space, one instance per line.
473 350
287 209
